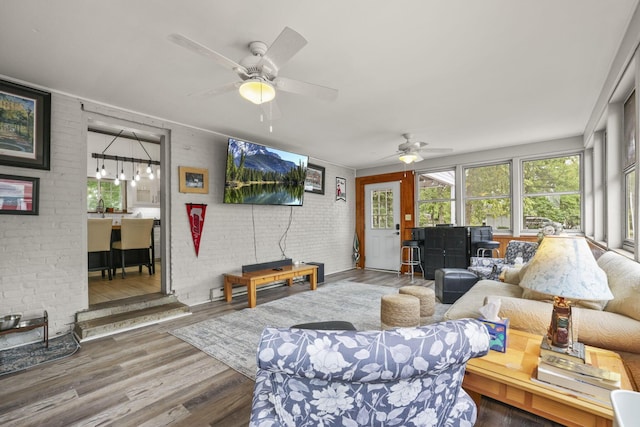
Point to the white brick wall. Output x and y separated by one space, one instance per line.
321 230
43 258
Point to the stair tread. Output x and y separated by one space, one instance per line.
124 305
131 300
129 315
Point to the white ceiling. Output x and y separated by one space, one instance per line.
464 74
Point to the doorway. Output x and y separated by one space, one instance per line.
407 207
137 151
382 225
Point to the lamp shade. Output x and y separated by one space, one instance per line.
564 266
257 91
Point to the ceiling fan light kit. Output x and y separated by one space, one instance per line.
409 158
257 91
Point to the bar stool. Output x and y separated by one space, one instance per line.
482 241
410 256
490 246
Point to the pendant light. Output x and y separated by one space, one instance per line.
117 181
98 175
133 178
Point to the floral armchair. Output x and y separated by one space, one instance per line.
409 376
518 252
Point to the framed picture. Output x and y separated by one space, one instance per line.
314 181
19 195
25 126
341 189
194 180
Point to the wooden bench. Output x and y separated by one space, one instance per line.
253 279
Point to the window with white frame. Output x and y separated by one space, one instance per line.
551 192
436 198
488 196
629 169
114 196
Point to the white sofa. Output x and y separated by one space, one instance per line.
615 327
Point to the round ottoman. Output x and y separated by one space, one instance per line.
399 311
427 299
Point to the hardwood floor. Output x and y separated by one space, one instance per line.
147 377
101 289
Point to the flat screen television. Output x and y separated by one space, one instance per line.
262 175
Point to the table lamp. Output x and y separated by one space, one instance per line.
565 269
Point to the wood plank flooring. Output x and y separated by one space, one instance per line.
147 377
101 289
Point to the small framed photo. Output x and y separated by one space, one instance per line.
194 180
19 195
341 189
25 126
314 181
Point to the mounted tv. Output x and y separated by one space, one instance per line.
262 175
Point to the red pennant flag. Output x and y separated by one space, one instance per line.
196 221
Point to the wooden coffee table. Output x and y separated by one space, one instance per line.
506 377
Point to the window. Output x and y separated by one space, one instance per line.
551 192
629 169
382 209
436 198
488 196
114 196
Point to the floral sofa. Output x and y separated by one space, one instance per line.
518 253
613 325
409 376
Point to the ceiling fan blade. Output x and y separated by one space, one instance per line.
200 49
288 43
308 89
271 110
435 150
218 90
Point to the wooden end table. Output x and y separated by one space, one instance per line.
506 377
262 277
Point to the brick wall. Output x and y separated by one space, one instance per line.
321 230
43 258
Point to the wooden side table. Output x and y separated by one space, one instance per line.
29 324
506 377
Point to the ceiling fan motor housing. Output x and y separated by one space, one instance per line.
258 65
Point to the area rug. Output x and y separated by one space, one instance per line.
233 338
26 356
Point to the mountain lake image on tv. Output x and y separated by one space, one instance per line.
263 176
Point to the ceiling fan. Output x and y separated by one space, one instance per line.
258 71
410 150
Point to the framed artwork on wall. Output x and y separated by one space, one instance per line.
341 189
19 195
314 180
25 126
193 180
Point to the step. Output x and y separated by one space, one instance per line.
120 322
123 305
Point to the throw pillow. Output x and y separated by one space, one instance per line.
624 282
511 275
